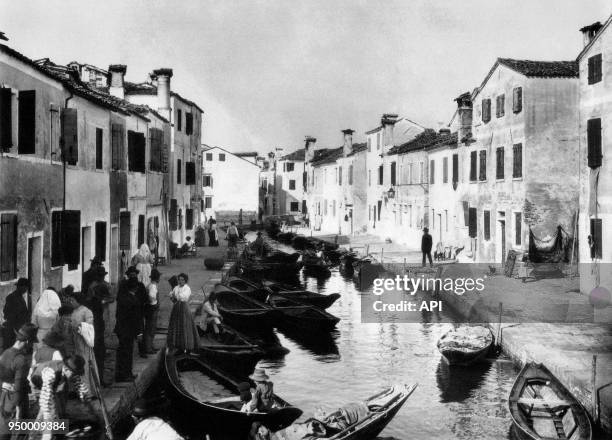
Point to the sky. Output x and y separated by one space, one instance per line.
269 72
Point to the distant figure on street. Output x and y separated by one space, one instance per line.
426 244
182 331
232 235
143 261
259 245
213 235
90 274
17 311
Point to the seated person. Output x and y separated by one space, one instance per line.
245 396
187 246
263 396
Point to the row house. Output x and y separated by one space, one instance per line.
594 158
352 171
267 193
290 184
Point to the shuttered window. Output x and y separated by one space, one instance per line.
393 173
304 180
179 170
486 110
136 152
125 233
70 136
188 123
594 74
71 238
180 219
179 120
6 119
594 143
156 154
518 225
339 175
432 171
500 106
292 184
141 230
483 165
350 175
57 250
190 173
517 160
473 166
189 219
27 122
445 170
172 214
8 247
380 175
117 146
294 206
101 240
99 149
455 168
499 167
472 222
517 99
596 238
487 225
207 202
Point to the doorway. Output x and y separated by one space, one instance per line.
502 241
35 267
114 255
440 228
85 247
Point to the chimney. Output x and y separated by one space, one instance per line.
589 32
444 131
309 148
387 121
163 89
117 75
348 142
464 116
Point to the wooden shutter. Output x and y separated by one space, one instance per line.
141 230
172 214
466 213
8 247
380 174
178 170
350 178
483 165
340 174
141 153
6 119
487 225
486 110
117 143
27 122
518 224
190 173
594 142
432 171
500 106
517 99
99 150
188 123
179 120
472 222
101 240
517 160
393 173
155 140
455 168
305 180
596 248
188 218
594 67
445 170
499 168
71 237
125 225
70 136
57 250
473 166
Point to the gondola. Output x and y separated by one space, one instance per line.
316 265
209 399
260 267
374 415
465 345
304 296
242 312
277 256
542 408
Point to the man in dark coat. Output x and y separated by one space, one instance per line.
98 297
426 245
90 274
127 328
141 295
17 311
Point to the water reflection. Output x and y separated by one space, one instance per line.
456 383
322 344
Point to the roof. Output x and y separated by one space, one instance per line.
326 155
247 154
425 140
297 155
358 148
150 89
601 31
208 148
542 69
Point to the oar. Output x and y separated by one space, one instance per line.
93 369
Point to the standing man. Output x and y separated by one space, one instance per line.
128 326
90 274
15 363
150 312
426 244
97 299
17 311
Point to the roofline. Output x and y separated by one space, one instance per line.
588 46
228 152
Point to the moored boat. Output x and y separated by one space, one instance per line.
542 408
465 345
240 311
316 265
209 400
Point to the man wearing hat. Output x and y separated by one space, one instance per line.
129 323
14 365
132 282
90 274
263 396
98 298
149 426
426 244
17 311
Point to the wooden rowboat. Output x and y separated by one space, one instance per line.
240 311
543 409
465 345
209 400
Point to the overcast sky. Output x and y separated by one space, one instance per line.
269 72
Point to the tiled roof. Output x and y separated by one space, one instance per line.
542 69
326 155
246 154
426 139
149 89
297 155
358 148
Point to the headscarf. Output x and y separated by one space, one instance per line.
48 304
144 251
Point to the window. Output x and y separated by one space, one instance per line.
136 152
294 206
339 175
487 225
70 151
422 172
380 175
432 171
221 157
379 209
290 166
188 123
369 144
180 219
179 170
596 237
517 228
472 222
594 142
378 141
304 180
350 176
117 146
594 68
190 173
517 160
101 240
325 207
486 110
6 119
483 165
334 208
369 177
179 120
499 168
473 166
57 254
99 156
26 129
500 106
209 157
393 173
71 238
455 168
8 247
291 184
208 202
517 99
445 170
188 218
141 230
207 181
157 151
125 224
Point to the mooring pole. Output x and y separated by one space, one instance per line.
594 405
499 323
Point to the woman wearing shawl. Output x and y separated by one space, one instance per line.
82 314
46 312
143 261
182 331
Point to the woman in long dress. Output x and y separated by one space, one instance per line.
182 331
143 260
46 312
80 315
